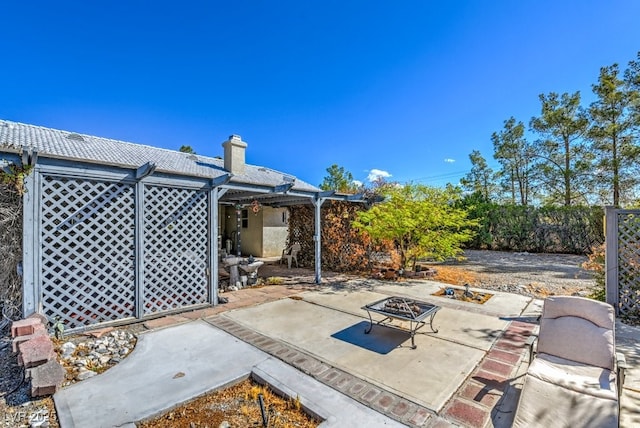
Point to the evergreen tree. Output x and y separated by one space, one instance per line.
480 180
516 156
565 161
612 135
339 180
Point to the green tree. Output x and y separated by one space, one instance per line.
516 156
187 149
566 160
339 180
611 134
480 180
632 83
423 221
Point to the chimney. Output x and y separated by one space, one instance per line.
234 149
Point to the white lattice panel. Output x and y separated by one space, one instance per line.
629 262
87 265
175 248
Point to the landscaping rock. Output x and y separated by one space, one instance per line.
85 356
84 373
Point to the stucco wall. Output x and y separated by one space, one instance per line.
275 229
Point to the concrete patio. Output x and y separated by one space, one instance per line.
311 343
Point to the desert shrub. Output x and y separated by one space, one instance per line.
572 230
595 264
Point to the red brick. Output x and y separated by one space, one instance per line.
356 388
99 332
343 381
46 378
523 326
400 409
39 330
480 394
24 327
507 345
385 401
491 380
43 319
514 336
370 395
496 367
330 375
466 413
420 417
504 356
164 322
36 351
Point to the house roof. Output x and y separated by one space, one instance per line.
66 145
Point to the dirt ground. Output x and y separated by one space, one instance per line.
529 274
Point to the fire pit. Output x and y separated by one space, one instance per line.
404 309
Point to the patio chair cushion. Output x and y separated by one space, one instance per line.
578 329
585 379
544 404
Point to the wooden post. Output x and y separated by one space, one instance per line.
31 293
139 249
611 257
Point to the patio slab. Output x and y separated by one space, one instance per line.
428 375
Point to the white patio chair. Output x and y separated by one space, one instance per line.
290 254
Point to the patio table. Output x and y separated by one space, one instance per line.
404 309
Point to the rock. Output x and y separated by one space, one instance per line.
67 349
224 424
84 374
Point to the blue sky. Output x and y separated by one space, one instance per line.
409 88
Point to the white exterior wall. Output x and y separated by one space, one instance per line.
275 228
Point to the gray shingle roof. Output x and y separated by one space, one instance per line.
54 143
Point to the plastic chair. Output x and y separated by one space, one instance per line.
291 253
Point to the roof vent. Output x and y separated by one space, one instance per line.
75 137
192 157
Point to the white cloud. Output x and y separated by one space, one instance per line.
375 174
449 160
357 183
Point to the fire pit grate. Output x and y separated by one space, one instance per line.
405 309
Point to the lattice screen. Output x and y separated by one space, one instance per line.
175 241
629 262
87 265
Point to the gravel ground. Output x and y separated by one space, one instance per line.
529 274
536 275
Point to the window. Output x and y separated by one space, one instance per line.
245 219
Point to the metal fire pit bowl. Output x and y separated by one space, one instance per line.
404 309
